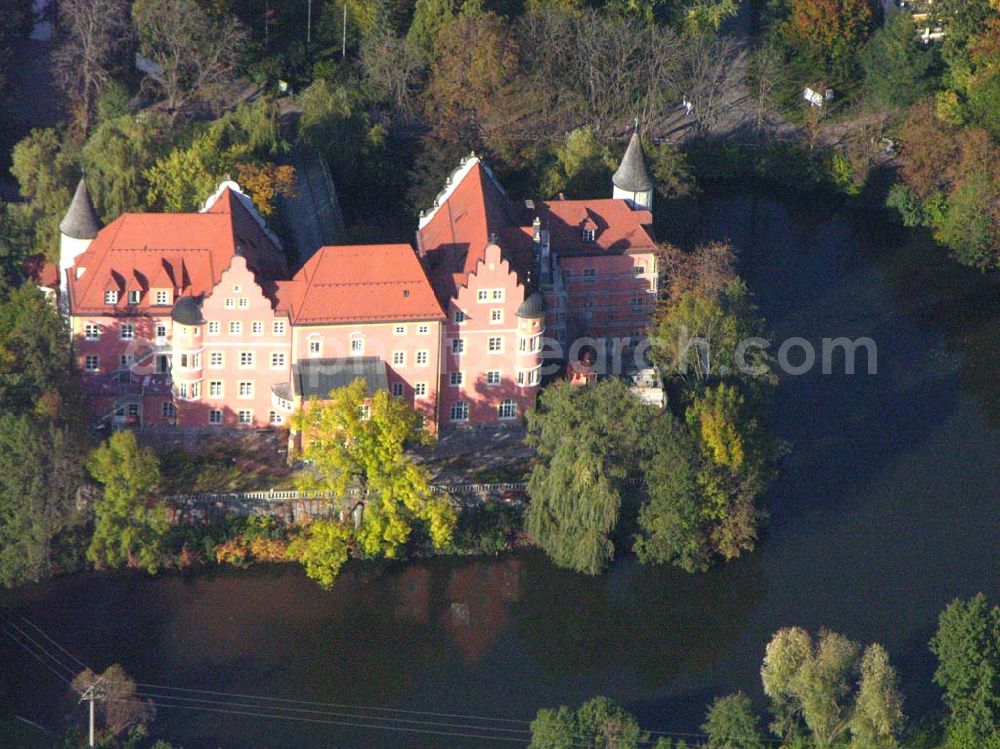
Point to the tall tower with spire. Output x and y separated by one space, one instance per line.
76 231
633 182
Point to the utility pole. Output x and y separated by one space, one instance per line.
90 695
343 44
309 21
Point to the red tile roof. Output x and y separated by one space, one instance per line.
618 229
475 211
360 283
186 252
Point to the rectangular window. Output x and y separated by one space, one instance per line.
214 327
357 345
182 390
273 417
237 289
161 330
639 269
277 360
168 409
215 389
134 297
589 275
457 346
257 328
123 361
497 295
482 295
520 378
460 317
246 389
423 329
195 390
589 235
246 359
460 411
315 345
244 303
215 359
398 358
422 358
493 377
495 344
533 377
128 331
92 332
496 315
162 298
91 363
278 327
230 303
522 344
366 412
455 378
420 389
111 297
215 416
235 327
637 303
397 389
246 416
399 330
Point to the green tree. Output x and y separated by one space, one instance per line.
323 548
731 724
357 440
587 442
39 478
129 525
971 225
672 522
582 168
831 687
699 332
44 171
896 64
967 646
598 724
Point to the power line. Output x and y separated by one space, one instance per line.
39 658
60 647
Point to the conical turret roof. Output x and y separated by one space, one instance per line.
632 174
80 221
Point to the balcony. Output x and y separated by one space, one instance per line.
128 383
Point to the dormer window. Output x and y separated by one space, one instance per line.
589 235
134 297
111 297
162 297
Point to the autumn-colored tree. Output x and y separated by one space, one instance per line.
120 705
357 440
264 182
323 548
828 32
928 149
473 92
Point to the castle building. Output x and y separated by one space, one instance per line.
194 320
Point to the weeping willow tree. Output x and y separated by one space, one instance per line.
588 443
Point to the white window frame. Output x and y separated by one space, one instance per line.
423 358
216 388
235 327
244 303
496 316
459 411
483 295
420 389
398 390
399 358
357 344
273 417
505 405
423 330
92 363
214 327
493 377
215 416
257 327
245 416
497 295
248 360
92 331
494 344
460 317
168 410
230 303
457 346
127 331
111 297
589 235
212 356
278 327
134 297
277 360
456 379
245 390
314 345
399 330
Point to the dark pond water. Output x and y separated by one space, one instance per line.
887 507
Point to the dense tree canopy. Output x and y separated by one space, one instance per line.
586 441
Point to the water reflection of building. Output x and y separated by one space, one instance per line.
479 601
